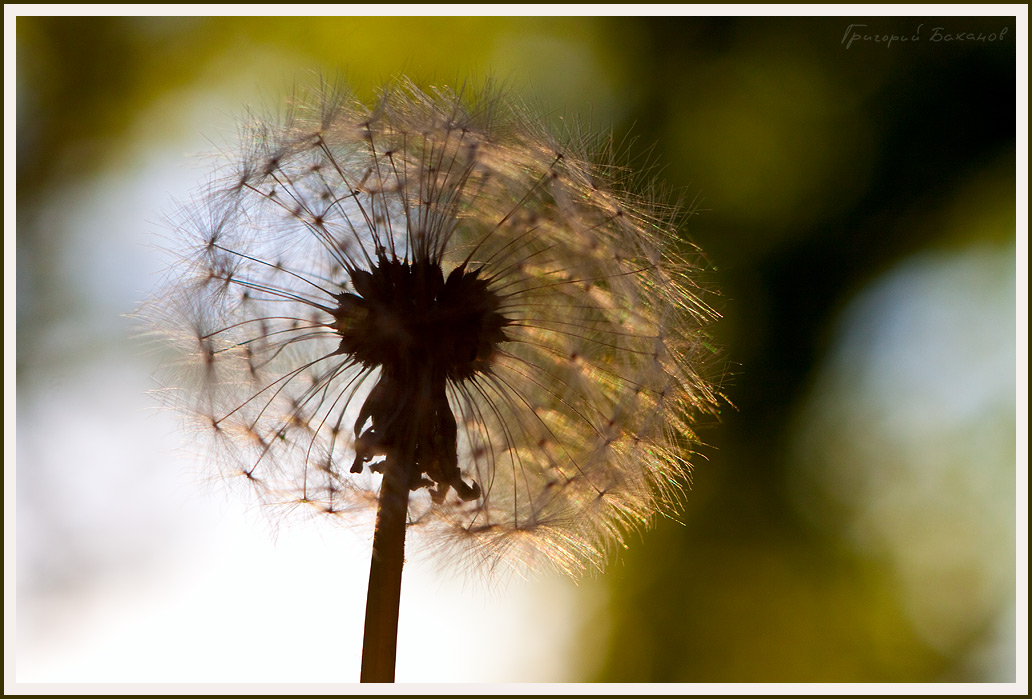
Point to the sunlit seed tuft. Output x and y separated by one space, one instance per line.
439 275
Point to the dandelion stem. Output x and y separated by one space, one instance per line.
380 643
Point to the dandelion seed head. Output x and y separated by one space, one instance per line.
438 273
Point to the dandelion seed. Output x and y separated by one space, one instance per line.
436 308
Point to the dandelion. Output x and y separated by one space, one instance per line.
434 308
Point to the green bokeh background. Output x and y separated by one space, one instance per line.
815 169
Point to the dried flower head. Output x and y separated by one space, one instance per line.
438 282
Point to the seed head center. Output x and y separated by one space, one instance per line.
422 331
410 321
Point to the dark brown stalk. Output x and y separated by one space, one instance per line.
380 644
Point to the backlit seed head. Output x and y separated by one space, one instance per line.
439 276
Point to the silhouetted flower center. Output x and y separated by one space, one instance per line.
408 320
422 331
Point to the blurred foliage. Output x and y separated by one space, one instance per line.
814 168
827 166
